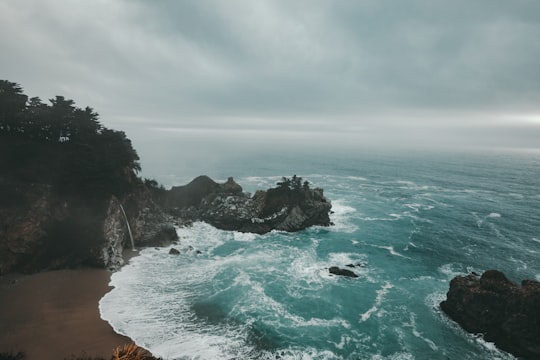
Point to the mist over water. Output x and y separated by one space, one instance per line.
408 223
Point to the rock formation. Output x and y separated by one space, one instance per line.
505 313
69 189
342 272
41 229
227 207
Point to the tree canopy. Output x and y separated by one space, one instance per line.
295 183
62 144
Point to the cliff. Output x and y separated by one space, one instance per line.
41 229
227 207
67 183
63 178
505 313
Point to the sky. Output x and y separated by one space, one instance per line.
427 73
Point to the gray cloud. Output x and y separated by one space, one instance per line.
356 69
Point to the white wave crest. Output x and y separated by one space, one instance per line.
342 217
381 293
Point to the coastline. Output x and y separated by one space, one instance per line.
54 314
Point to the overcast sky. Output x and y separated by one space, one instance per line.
438 73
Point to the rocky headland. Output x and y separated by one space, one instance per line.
504 312
290 206
44 230
70 194
41 229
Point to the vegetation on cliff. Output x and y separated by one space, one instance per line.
62 145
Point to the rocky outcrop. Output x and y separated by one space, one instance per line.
342 272
149 226
41 229
505 313
227 207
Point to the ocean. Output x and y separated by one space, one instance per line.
409 222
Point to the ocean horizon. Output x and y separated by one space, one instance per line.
408 222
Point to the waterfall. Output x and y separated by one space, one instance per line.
128 227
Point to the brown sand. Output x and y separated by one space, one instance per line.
54 315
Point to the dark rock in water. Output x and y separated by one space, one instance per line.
507 314
359 265
286 207
174 251
342 272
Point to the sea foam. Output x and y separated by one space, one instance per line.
233 295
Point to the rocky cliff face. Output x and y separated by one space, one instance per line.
507 314
40 229
226 207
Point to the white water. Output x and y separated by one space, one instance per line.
246 296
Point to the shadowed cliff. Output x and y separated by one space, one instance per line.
505 313
63 176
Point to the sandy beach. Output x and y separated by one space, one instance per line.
54 315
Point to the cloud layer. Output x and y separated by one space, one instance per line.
445 69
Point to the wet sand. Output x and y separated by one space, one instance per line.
54 315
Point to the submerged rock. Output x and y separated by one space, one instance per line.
505 313
174 251
342 272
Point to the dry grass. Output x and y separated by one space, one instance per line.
131 352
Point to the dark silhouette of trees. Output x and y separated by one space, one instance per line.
294 184
12 105
63 145
291 191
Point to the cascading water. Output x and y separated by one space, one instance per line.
128 227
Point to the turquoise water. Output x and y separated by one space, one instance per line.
410 222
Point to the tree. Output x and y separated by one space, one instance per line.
34 119
285 183
296 182
66 143
12 104
62 118
86 124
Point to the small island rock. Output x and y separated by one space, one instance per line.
291 206
342 272
507 314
